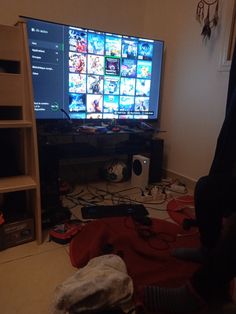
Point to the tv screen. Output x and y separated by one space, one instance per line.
81 73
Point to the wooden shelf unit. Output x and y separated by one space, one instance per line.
19 167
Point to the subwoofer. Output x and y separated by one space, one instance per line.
140 171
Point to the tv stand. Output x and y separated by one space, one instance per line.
55 146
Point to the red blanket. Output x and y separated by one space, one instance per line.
145 249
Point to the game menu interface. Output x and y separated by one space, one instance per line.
93 75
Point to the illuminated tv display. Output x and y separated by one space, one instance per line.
82 73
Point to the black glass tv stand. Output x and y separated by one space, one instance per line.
56 145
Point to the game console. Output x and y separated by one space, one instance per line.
140 171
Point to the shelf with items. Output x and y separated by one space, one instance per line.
18 226
19 173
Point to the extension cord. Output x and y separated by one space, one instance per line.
157 194
146 197
149 198
178 188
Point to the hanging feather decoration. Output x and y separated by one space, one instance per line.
208 23
216 16
200 11
206 31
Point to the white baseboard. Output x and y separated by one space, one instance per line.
190 183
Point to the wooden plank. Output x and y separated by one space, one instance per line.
33 139
10 124
16 183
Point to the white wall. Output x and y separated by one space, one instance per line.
193 91
124 16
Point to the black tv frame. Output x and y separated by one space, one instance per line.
130 122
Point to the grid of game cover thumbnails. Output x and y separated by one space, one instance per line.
109 75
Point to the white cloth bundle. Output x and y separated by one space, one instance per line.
102 284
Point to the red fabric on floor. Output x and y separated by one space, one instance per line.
181 208
148 260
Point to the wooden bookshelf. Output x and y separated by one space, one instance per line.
19 169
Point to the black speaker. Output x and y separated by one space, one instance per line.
156 160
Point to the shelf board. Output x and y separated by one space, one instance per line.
15 124
10 75
17 183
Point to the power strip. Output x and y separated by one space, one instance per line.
178 188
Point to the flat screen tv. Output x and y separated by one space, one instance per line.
81 74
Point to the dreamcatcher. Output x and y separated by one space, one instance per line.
203 16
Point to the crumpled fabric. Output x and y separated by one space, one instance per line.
102 284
